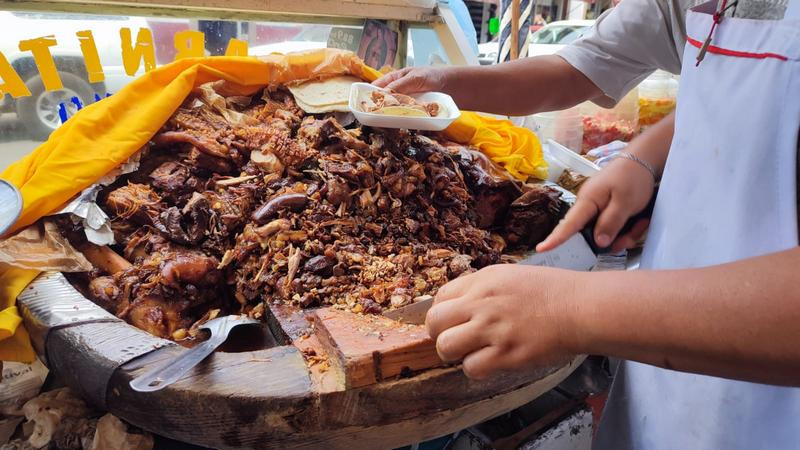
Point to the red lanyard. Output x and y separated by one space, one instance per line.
718 15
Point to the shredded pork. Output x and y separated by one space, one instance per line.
287 207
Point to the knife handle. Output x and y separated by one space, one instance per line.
588 230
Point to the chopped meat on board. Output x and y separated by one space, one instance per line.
280 206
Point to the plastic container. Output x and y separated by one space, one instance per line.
657 97
560 158
601 126
564 127
359 91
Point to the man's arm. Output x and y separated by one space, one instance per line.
625 45
522 87
737 320
517 88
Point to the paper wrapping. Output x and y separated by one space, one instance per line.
41 247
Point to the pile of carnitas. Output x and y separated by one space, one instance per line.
242 201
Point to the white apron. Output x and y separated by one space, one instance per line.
728 193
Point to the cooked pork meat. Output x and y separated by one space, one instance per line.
276 206
379 101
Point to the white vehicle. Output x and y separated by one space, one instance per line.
556 35
39 112
312 37
487 52
545 41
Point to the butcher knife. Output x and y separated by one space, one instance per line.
578 253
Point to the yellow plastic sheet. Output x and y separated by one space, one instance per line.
105 134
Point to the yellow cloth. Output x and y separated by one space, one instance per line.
515 148
15 345
103 135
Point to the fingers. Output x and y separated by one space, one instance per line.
576 218
631 238
454 343
411 83
611 220
455 288
384 81
445 315
482 363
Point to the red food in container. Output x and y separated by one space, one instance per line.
597 132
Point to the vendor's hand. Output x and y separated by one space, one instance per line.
506 316
413 80
620 190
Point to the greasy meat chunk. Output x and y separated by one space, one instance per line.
492 188
205 144
208 163
104 291
199 270
137 202
327 135
173 177
532 216
157 316
186 225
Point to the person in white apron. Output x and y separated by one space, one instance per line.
728 193
726 211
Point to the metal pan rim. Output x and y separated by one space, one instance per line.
7 223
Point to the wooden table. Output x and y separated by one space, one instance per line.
329 379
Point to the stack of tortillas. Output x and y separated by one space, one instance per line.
316 97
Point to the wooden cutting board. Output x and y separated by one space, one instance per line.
369 348
346 350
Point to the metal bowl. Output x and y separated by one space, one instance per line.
10 205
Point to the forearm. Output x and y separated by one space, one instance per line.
653 145
738 320
521 87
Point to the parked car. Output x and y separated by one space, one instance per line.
39 111
309 37
487 52
555 35
547 40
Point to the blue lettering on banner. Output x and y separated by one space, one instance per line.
62 108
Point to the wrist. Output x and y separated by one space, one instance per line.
451 76
642 163
587 316
575 312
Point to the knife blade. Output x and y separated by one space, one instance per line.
414 313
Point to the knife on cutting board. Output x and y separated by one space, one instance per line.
578 253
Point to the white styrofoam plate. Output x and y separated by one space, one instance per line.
359 91
571 160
